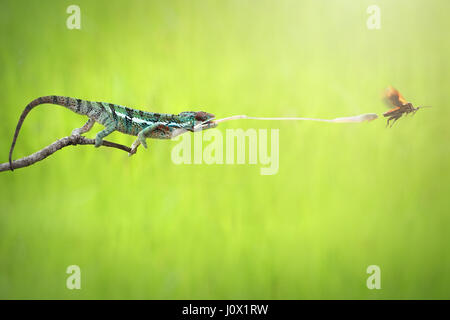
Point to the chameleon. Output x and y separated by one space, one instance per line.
114 117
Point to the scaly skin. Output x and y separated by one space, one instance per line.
115 117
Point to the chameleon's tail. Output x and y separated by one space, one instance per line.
59 100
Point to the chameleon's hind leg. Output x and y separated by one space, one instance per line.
142 135
99 137
85 128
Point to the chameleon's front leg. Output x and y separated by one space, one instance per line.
134 147
143 134
85 128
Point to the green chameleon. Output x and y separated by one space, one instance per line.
123 119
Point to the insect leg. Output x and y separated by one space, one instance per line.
388 120
85 128
395 119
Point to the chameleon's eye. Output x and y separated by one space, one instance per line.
200 116
203 116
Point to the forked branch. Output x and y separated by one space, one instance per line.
72 140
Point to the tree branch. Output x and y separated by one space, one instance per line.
72 140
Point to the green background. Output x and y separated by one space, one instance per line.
346 195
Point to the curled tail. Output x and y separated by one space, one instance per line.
71 103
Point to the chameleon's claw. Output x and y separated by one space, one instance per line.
133 151
134 147
98 142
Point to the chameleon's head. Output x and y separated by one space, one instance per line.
198 120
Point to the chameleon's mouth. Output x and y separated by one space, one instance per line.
210 123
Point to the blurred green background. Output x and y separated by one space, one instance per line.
346 195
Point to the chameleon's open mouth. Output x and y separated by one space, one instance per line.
210 123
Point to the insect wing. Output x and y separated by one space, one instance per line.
387 113
393 97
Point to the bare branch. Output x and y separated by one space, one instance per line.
72 140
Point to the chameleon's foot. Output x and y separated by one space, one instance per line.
98 142
134 147
99 137
85 128
76 132
133 151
